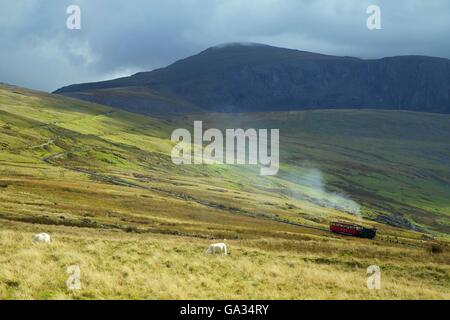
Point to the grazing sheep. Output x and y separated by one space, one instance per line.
42 238
217 248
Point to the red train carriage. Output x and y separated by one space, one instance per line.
354 230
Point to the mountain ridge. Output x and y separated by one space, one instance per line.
250 78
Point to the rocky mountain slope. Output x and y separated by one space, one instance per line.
254 77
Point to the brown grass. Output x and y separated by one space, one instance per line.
120 265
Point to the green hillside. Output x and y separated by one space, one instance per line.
102 183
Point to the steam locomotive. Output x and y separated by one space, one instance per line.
354 230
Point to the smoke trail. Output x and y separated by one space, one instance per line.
314 180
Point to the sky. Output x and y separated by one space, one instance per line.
119 38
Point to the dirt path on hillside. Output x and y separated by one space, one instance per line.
50 141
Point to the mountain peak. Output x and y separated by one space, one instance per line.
238 44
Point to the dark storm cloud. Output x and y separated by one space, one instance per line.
122 37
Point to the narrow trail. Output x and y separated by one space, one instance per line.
50 141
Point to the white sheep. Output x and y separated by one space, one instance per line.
42 238
217 248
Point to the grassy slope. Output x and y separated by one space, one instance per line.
115 204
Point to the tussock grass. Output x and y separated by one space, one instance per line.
126 266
